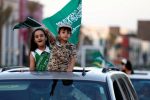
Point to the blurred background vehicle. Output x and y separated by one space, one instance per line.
141 82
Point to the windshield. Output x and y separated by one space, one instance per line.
142 87
52 90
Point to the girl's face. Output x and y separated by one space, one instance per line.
123 68
64 35
39 38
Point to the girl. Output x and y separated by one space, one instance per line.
63 53
39 50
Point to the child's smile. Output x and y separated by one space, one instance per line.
39 38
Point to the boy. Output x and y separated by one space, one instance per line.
63 53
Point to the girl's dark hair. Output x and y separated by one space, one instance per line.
33 45
128 65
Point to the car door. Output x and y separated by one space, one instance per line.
127 88
122 89
130 87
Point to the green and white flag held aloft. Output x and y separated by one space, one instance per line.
70 14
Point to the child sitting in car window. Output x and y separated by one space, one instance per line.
63 54
39 50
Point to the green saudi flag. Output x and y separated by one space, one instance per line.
70 14
100 60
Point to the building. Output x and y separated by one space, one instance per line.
144 29
15 43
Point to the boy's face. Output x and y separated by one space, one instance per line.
64 34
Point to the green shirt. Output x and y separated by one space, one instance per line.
41 59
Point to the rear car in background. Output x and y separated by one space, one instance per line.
81 84
141 82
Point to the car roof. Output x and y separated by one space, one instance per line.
140 74
89 73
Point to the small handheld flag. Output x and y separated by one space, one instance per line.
28 23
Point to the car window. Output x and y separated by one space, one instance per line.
131 88
142 87
117 91
52 90
124 88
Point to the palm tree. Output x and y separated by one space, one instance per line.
4 16
111 39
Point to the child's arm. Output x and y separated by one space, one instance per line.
32 63
71 64
72 59
50 36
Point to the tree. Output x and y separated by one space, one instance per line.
4 16
111 39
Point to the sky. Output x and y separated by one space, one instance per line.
122 13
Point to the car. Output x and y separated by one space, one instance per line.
89 83
14 69
141 83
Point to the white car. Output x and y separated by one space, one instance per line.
81 84
14 69
141 82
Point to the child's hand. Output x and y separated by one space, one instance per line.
69 70
50 36
47 31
